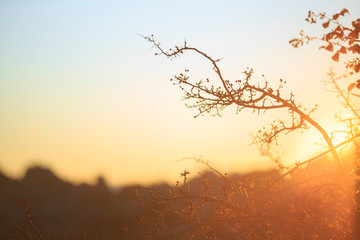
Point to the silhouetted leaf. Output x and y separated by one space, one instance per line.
358 83
354 34
351 86
326 24
330 47
355 48
357 67
343 50
336 57
329 36
336 16
342 13
355 24
340 34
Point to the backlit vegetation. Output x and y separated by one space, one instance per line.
314 199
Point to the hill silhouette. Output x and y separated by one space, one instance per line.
41 204
94 210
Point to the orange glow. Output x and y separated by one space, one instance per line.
85 95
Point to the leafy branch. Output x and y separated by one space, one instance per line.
341 39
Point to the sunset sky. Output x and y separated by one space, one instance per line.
83 94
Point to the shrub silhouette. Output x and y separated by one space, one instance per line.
314 199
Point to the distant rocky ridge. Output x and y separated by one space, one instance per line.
94 210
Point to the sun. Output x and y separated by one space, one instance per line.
311 143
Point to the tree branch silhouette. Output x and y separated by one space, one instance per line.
208 98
